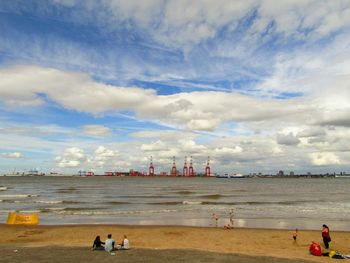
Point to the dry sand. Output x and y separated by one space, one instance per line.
162 244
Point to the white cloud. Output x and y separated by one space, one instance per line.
72 157
287 139
196 110
13 155
103 155
311 132
155 146
228 151
96 130
325 158
183 23
165 135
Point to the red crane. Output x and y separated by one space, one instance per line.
173 169
207 168
151 168
185 170
191 170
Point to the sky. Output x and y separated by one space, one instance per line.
257 85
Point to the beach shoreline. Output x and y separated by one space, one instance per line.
255 242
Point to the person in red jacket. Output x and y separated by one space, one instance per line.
325 235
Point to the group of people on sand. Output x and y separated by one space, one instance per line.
215 218
325 236
315 248
109 244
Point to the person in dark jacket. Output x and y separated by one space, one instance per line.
98 244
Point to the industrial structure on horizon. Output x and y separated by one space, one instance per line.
187 171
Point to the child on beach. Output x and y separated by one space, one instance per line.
295 235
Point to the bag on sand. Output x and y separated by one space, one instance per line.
315 249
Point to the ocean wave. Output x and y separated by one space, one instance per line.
192 202
81 208
140 196
67 190
15 201
18 196
184 192
212 196
255 203
28 211
71 202
168 203
3 188
10 201
117 203
50 201
106 213
51 209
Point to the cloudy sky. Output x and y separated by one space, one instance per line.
259 86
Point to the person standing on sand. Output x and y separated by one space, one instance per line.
231 217
325 235
215 218
295 235
109 243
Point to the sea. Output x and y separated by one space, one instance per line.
257 203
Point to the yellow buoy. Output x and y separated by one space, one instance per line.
22 219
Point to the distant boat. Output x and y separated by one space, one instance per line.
233 176
342 176
33 172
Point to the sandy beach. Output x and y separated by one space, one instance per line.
158 243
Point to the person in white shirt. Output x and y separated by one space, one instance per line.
124 244
109 243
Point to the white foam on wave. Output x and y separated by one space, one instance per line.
29 211
18 196
49 201
52 209
87 212
192 202
3 188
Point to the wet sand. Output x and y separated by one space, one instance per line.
162 244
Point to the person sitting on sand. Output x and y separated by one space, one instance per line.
228 226
109 243
98 244
124 244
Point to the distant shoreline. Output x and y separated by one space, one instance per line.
346 176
